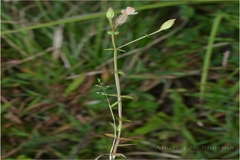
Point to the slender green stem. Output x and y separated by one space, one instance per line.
114 121
139 39
117 81
115 131
208 57
119 99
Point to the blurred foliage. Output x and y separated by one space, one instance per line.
49 113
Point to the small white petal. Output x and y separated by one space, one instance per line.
123 11
130 10
133 13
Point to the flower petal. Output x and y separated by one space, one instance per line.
123 11
130 10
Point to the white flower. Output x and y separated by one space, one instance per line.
129 11
124 16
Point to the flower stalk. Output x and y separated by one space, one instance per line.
121 19
110 15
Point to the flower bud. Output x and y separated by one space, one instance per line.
110 13
168 24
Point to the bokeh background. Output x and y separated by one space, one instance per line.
53 52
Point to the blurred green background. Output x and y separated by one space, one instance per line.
53 53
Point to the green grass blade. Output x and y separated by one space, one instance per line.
74 85
97 15
207 57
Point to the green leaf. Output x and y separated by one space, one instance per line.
5 107
121 50
187 11
118 155
123 96
122 145
109 49
121 72
110 32
112 124
188 135
114 104
128 97
75 84
110 135
22 156
147 35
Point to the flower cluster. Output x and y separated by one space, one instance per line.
123 18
